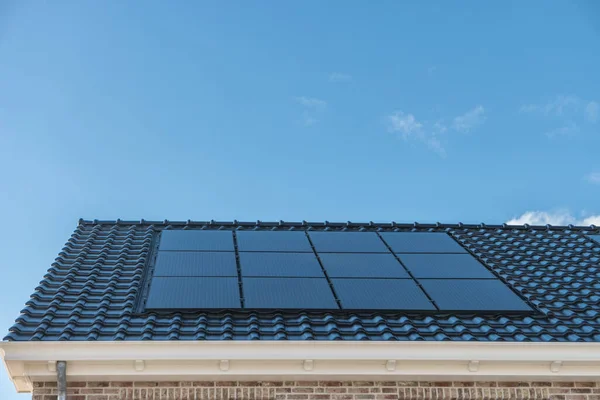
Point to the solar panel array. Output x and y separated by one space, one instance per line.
324 270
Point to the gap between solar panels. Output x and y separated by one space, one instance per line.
323 270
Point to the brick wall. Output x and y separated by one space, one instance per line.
322 390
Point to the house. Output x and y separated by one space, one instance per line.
282 310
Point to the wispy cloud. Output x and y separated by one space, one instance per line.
593 177
559 106
559 217
592 111
339 77
570 128
470 119
407 126
312 102
569 112
432 134
312 108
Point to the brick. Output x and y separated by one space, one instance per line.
585 384
91 391
513 384
330 383
97 384
297 397
121 384
306 383
319 397
563 384
363 383
303 390
203 384
407 383
76 397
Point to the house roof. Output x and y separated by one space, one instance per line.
92 290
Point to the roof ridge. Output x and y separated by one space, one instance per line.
370 224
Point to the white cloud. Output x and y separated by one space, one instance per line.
339 77
431 134
406 124
558 106
593 177
568 111
569 129
560 217
470 120
410 129
312 102
592 111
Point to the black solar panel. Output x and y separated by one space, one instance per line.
444 266
193 293
473 295
195 263
362 265
203 269
347 242
196 240
421 242
381 294
294 241
280 264
298 293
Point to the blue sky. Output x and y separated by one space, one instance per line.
345 110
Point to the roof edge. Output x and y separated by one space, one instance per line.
29 362
326 224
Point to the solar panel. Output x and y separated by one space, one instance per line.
194 263
196 240
193 293
295 241
381 294
295 293
445 266
280 264
347 242
421 242
473 295
362 265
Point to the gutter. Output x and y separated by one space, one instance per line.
29 362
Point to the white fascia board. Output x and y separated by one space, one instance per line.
299 350
28 362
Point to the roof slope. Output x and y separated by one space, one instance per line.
91 291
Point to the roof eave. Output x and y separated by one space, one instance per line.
29 362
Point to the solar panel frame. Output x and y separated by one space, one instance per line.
362 265
193 293
445 266
421 242
288 293
268 264
473 295
195 263
196 240
277 241
381 294
347 242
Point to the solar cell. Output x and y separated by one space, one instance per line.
347 242
193 293
445 266
421 242
196 240
473 295
362 265
280 264
294 241
292 293
381 294
195 263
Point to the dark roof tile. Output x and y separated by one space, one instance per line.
91 290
